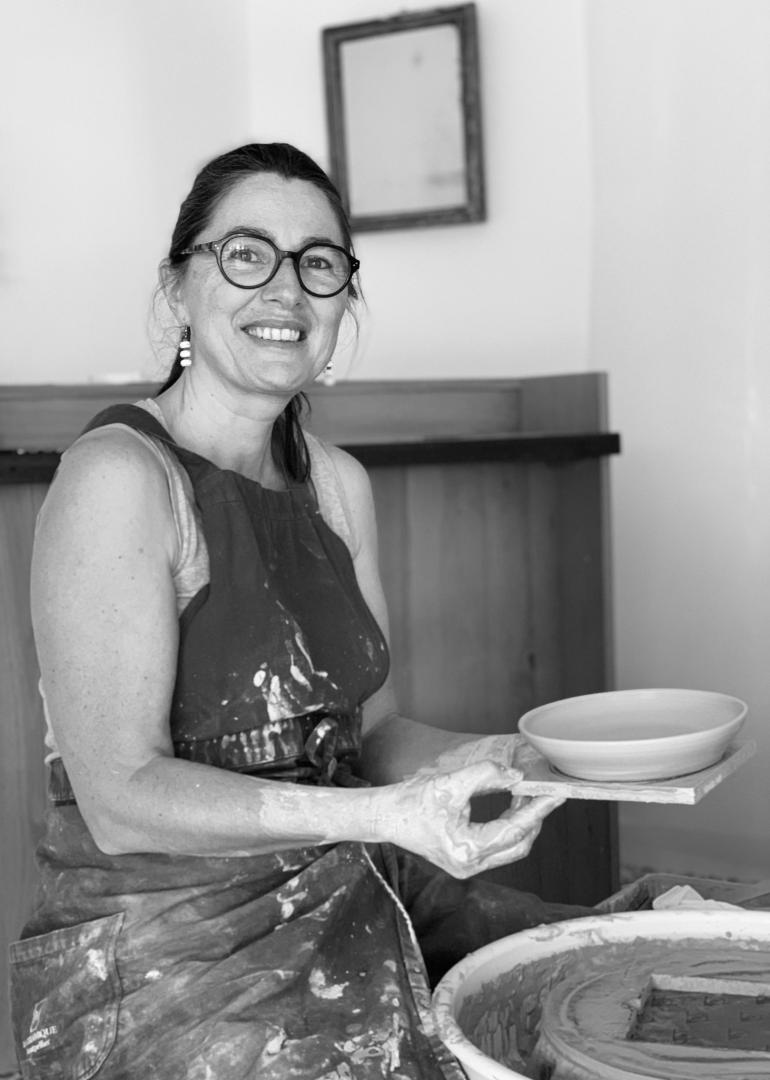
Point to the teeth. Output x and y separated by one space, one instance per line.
274 333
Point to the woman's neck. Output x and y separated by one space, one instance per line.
222 433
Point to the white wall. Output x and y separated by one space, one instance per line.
680 107
110 106
522 304
628 231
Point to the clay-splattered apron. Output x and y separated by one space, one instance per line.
299 964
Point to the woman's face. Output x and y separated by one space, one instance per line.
236 332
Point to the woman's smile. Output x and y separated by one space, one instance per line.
275 332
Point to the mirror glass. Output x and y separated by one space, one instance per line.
404 118
422 66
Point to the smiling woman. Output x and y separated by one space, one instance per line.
264 312
252 864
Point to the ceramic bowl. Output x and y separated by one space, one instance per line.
634 734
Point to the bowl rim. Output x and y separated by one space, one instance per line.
669 740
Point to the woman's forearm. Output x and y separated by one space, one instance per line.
174 806
178 807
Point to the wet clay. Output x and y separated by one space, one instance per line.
579 1015
714 1017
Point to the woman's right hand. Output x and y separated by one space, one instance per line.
429 814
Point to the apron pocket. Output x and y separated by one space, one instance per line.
65 993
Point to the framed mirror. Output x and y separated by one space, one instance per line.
404 118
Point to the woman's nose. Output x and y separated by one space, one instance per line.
285 281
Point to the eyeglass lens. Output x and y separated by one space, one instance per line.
249 261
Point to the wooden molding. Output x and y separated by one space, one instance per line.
556 418
49 418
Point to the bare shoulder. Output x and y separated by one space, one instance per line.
106 456
353 476
105 480
109 450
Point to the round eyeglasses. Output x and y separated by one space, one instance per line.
249 260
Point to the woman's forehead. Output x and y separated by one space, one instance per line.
290 210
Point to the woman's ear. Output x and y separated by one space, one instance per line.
171 282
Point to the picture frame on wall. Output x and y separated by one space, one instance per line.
403 109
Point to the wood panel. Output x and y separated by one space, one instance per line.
22 774
49 417
39 418
575 402
460 640
496 592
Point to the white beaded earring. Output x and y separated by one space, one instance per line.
327 375
185 348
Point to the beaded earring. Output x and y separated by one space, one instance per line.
185 348
327 376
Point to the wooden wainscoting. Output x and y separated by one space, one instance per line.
494 581
492 507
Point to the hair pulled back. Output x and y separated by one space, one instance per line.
214 181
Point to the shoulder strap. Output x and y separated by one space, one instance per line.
132 416
140 419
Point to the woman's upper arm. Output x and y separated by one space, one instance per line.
360 502
104 615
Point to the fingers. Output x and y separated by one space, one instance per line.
524 753
474 778
541 806
512 828
438 824
483 777
525 813
508 838
479 858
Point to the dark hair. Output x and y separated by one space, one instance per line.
210 186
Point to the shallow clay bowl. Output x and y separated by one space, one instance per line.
634 734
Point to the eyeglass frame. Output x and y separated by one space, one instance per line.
217 245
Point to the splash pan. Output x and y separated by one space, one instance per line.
676 995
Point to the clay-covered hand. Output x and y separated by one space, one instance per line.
429 814
510 750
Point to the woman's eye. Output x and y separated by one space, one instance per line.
247 251
244 254
316 262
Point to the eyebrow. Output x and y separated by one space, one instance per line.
250 230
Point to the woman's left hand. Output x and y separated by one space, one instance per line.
429 814
510 750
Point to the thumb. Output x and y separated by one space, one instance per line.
482 777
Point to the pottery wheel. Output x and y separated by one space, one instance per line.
695 1010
